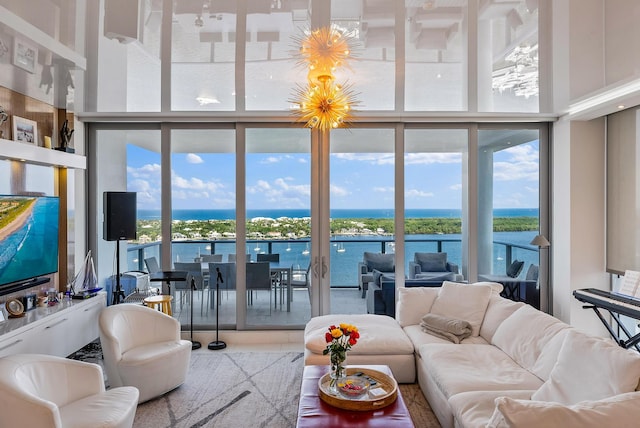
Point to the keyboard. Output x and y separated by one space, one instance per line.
615 302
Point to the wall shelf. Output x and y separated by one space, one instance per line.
40 155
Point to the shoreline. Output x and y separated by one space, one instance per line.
17 223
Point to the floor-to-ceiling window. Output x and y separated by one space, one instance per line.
278 226
509 210
435 165
362 209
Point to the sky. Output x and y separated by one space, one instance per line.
358 180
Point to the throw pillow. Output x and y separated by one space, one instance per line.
463 302
589 368
431 262
379 261
624 409
515 268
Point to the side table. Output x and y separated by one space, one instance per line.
313 412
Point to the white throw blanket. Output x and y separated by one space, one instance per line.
451 329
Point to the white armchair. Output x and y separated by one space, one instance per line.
142 348
47 391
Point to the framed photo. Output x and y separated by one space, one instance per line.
25 130
25 55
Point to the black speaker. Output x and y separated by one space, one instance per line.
119 215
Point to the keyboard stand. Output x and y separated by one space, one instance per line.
630 341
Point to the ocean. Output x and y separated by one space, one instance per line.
346 251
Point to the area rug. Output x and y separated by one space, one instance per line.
246 389
241 389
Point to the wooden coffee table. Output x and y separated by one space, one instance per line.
313 412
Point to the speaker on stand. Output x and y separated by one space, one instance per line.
119 210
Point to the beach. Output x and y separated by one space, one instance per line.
17 223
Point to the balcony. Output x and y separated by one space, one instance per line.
266 309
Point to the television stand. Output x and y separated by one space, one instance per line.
23 285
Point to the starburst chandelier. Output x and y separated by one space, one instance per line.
323 103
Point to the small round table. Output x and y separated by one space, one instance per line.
161 302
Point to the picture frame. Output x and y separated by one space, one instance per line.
25 55
25 130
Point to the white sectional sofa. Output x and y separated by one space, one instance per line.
519 368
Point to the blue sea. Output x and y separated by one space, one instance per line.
32 250
346 251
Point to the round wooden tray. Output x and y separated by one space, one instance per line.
387 386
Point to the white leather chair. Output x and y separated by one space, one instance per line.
55 392
142 348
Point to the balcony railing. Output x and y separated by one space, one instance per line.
345 252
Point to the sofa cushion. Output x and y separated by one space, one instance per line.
607 371
463 302
621 410
524 334
497 311
379 334
413 303
379 261
475 408
431 262
436 276
515 268
461 368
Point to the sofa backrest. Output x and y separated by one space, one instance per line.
413 303
498 310
527 336
382 262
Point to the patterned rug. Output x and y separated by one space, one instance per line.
241 389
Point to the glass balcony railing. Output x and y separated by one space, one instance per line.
345 253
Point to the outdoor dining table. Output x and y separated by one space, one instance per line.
282 271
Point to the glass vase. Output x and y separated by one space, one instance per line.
338 370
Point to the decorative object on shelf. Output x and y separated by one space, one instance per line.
25 55
340 339
25 130
47 142
85 280
15 308
65 138
323 103
3 118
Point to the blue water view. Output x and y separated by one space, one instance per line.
347 251
32 250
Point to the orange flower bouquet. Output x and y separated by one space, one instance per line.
339 339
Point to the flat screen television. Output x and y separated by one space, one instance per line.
28 238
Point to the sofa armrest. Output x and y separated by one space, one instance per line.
362 268
414 269
452 267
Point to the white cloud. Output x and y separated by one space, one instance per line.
432 158
415 193
282 192
193 158
385 189
338 191
522 163
370 158
270 159
456 186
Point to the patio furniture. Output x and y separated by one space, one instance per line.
517 289
232 257
227 275
194 269
302 279
152 264
209 258
434 267
258 278
142 348
382 262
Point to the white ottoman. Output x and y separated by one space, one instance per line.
382 341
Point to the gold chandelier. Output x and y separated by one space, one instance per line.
323 103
